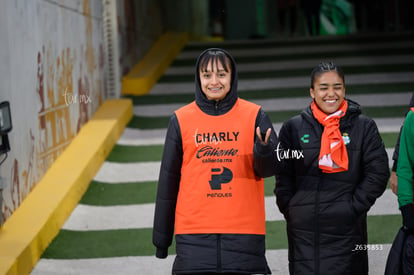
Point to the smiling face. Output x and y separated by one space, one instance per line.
215 80
328 91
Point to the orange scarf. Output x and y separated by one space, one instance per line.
333 156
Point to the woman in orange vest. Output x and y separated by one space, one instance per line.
210 192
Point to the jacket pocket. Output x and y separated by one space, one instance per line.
337 217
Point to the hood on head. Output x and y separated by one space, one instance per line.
230 98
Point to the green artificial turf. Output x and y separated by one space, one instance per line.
389 139
141 122
385 111
130 153
110 194
138 242
100 244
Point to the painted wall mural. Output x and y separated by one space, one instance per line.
52 73
55 83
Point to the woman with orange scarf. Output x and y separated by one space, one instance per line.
334 168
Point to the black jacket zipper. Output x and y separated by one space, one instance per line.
317 206
218 252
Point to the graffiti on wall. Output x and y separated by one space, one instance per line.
54 124
67 90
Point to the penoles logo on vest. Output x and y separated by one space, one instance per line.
219 177
209 152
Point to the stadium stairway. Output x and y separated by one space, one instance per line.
109 231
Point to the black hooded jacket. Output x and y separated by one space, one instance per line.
242 253
326 212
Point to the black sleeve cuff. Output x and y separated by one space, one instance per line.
407 212
262 149
161 253
394 166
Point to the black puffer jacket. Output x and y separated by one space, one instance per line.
326 213
197 253
400 259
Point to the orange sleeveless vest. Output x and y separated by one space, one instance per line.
219 191
412 109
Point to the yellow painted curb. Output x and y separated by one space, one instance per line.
27 233
146 73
